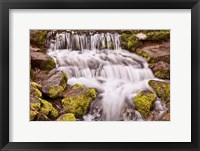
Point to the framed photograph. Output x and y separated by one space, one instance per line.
104 75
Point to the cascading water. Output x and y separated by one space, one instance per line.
96 60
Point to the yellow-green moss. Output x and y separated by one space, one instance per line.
47 65
36 106
162 89
38 37
145 55
56 91
158 35
54 113
143 102
78 103
67 117
34 90
46 107
162 74
32 114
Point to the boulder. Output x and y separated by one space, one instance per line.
42 61
77 99
162 89
54 83
144 101
161 69
155 52
67 117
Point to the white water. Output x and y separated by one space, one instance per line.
100 63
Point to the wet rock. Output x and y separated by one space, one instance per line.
77 99
67 117
42 61
54 83
155 52
144 101
161 69
161 88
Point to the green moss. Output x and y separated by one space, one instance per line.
143 102
67 117
56 91
54 113
158 35
37 37
144 55
162 89
78 102
34 90
47 65
162 74
35 106
33 114
46 107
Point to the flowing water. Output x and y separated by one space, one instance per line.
96 60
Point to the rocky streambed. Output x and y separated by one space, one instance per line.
100 75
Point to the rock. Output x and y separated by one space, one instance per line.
141 36
34 49
54 83
35 94
161 88
37 37
144 101
35 89
161 69
67 117
42 61
155 52
77 99
48 109
166 117
130 41
41 117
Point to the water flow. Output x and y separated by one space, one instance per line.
100 63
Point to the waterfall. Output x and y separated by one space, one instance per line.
96 60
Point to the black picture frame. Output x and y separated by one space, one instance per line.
5 5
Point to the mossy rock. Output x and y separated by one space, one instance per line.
33 114
154 53
37 37
42 61
54 83
35 89
162 89
77 99
67 117
160 69
48 109
130 41
144 101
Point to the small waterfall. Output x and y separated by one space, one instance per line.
82 41
100 63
